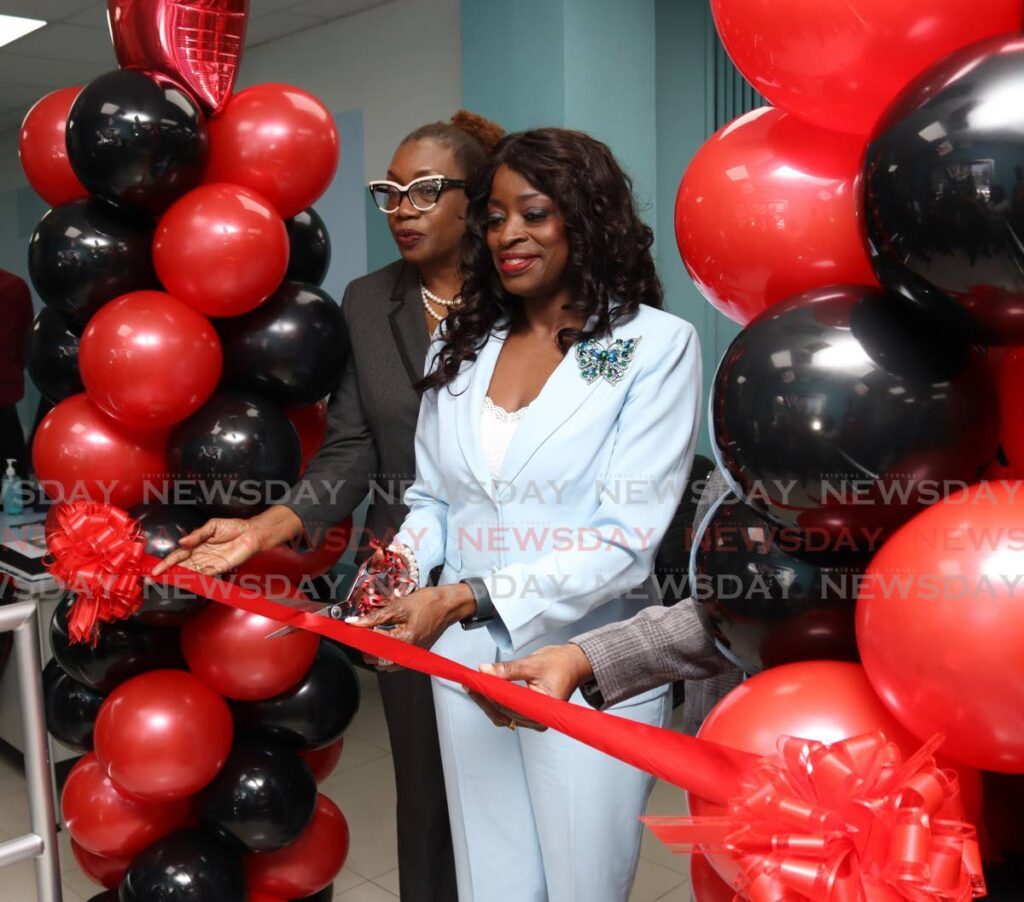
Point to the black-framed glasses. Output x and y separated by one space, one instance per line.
423 193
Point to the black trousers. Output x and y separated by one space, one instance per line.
12 441
426 863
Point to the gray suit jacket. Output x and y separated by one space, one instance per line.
371 418
661 645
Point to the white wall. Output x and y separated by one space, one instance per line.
399 62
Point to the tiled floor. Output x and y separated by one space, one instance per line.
364 788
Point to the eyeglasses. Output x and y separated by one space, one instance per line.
423 193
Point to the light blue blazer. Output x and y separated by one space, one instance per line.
566 538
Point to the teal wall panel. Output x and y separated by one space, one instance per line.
513 57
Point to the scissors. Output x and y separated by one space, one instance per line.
376 586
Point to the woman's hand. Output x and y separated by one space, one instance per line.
222 544
556 670
421 617
217 546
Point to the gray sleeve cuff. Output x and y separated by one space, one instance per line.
485 611
657 646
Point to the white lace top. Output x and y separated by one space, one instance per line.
497 426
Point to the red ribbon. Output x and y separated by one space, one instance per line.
844 822
96 551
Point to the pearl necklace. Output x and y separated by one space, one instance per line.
429 296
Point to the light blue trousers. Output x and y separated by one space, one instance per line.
539 817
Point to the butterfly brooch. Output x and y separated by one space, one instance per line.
609 362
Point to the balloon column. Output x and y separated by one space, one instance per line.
181 239
864 232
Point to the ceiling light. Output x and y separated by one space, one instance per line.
14 27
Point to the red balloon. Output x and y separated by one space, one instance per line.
228 649
199 44
940 625
80 453
323 761
840 64
263 897
294 565
310 423
277 140
705 883
44 151
221 249
1010 373
106 821
163 735
308 864
770 207
827 701
149 360
107 872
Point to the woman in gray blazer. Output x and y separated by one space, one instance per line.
391 315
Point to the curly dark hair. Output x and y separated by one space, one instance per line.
609 245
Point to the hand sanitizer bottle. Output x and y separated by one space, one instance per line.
10 490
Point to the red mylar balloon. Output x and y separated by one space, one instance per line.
940 625
308 864
840 64
770 207
310 423
44 152
1010 374
278 140
323 761
200 44
163 735
221 249
228 649
107 872
822 700
149 360
263 897
295 565
705 883
80 453
104 820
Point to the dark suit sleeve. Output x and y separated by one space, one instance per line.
338 478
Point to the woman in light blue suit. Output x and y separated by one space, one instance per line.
557 429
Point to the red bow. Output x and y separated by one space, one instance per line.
843 822
96 551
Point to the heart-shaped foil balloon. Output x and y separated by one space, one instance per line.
198 42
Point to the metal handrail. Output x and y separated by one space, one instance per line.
40 844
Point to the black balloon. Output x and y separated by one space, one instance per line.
137 139
124 649
313 713
944 185
290 349
310 248
71 707
52 359
846 409
109 896
262 799
85 253
238 453
772 595
187 866
163 525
